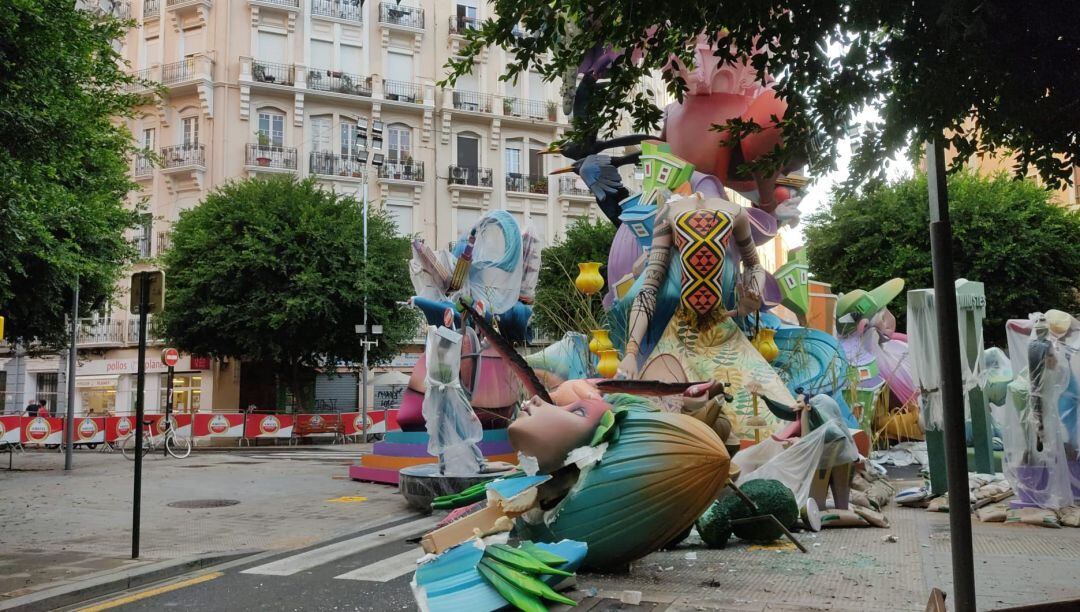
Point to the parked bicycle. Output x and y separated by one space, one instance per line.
175 445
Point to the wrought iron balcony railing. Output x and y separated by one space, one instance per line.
340 82
325 163
467 175
472 101
151 8
569 185
402 171
293 4
402 91
189 68
544 110
408 16
270 156
184 155
144 165
271 72
349 10
525 183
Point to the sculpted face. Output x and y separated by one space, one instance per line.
550 432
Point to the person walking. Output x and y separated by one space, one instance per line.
43 408
32 408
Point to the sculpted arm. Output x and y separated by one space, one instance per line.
644 306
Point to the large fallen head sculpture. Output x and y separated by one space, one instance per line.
612 471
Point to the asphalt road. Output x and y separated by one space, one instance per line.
366 570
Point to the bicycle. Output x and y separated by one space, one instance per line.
176 446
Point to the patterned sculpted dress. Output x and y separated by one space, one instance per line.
700 335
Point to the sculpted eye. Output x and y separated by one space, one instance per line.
578 410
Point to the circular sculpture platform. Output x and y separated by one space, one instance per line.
422 483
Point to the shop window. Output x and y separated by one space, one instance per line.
187 392
46 389
99 400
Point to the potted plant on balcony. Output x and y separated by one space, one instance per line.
539 185
552 111
262 152
508 105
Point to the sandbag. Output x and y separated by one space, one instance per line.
1069 516
1041 517
992 514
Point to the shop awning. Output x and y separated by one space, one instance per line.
83 382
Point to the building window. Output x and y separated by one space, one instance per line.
402 213
145 231
320 134
399 143
272 128
513 160
350 143
187 392
149 139
46 389
190 131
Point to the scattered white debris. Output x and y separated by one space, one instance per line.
690 556
890 538
630 598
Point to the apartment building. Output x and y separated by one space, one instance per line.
342 90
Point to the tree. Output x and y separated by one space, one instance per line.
63 165
1006 234
559 306
928 66
272 271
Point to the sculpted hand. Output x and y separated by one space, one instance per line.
628 367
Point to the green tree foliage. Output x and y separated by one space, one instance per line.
926 65
63 164
559 306
1006 234
273 271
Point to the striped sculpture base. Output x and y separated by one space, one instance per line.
402 449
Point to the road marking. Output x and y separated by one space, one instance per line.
385 570
122 601
348 498
332 552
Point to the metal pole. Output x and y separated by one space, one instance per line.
144 305
69 424
952 389
364 390
168 409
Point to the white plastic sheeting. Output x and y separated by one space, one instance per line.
452 426
923 350
825 447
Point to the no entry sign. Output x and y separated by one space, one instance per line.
170 357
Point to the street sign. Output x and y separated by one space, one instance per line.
157 281
170 357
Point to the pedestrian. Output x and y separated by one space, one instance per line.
32 408
43 408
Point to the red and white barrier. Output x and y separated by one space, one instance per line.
117 427
268 426
10 429
42 430
89 430
218 425
378 422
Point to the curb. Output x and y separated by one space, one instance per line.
105 583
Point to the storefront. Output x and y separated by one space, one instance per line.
108 385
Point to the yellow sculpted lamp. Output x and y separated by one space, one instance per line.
601 341
609 363
589 280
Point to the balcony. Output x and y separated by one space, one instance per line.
524 183
178 4
183 157
101 332
407 170
289 5
143 168
151 9
346 10
113 332
402 16
147 79
402 91
472 101
187 70
339 82
271 72
270 158
573 187
466 176
460 24
337 166
539 110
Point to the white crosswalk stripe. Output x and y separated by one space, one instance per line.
385 570
305 455
332 552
